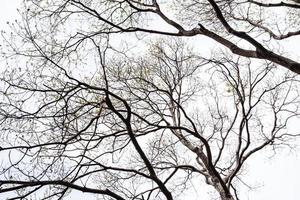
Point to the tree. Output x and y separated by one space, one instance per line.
253 18
82 112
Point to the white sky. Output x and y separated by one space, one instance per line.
276 178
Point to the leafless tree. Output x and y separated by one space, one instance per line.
244 27
80 112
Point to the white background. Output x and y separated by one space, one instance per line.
274 178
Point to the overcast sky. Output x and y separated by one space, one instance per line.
276 178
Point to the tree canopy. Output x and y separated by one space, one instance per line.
114 97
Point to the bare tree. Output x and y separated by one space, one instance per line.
246 28
78 113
